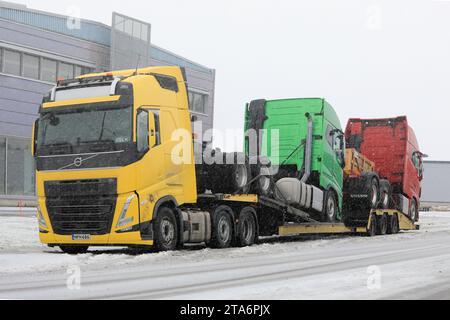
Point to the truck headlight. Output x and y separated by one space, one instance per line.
123 220
41 219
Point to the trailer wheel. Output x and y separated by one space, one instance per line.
222 230
393 225
413 210
74 250
246 228
372 232
382 224
166 230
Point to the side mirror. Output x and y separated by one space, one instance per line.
33 138
151 130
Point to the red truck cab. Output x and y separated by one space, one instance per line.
392 145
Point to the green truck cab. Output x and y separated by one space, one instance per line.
305 146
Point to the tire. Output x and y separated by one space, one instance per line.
414 210
385 194
222 229
330 207
393 225
231 178
265 185
372 232
382 225
242 176
374 193
246 228
74 250
166 230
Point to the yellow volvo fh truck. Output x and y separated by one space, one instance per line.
115 166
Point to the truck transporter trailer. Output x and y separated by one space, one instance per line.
106 176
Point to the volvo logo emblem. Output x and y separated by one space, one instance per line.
78 162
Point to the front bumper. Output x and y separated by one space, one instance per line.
112 239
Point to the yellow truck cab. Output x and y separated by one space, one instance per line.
103 148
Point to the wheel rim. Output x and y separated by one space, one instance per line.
331 208
248 230
241 176
385 200
167 231
374 195
224 229
264 181
413 210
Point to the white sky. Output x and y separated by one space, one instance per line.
368 58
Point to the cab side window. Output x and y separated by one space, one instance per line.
329 134
142 131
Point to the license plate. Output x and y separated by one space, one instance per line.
81 237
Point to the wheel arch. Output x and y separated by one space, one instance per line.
169 201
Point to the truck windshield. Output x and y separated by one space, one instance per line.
85 126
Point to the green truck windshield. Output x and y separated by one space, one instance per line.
85 126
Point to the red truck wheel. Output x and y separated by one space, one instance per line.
413 210
374 191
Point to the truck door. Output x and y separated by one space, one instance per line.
151 168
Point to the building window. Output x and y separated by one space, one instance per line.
20 168
30 66
38 68
65 70
197 102
11 62
48 70
2 165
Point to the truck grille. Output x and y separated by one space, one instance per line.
84 206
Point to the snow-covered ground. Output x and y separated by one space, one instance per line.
410 265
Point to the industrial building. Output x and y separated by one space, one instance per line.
37 48
435 190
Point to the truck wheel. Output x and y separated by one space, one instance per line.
166 230
413 210
265 186
246 228
222 230
385 194
393 225
74 250
331 207
372 232
374 191
382 225
242 176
